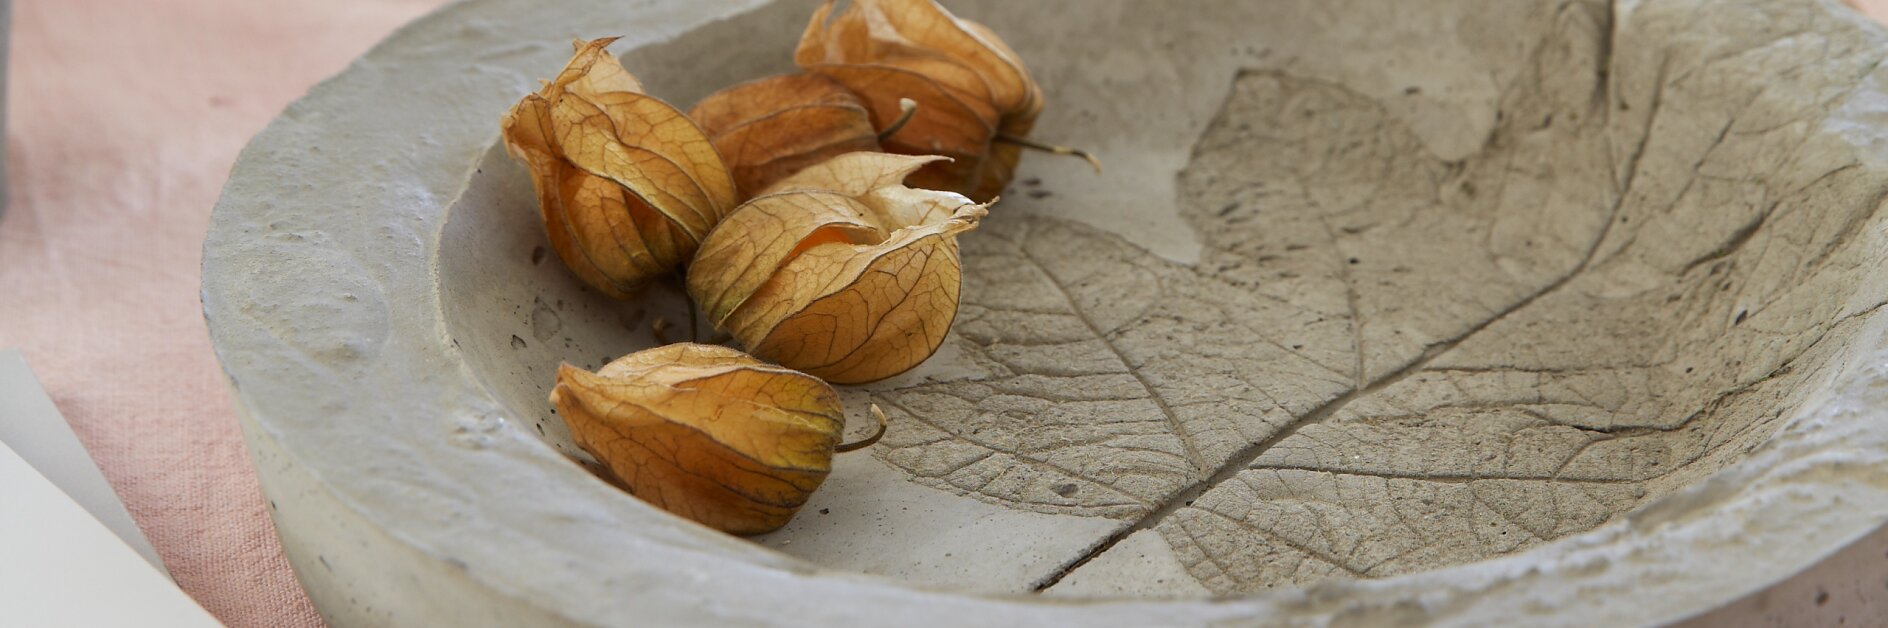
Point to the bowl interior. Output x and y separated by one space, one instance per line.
1333 311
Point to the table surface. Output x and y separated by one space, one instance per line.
123 119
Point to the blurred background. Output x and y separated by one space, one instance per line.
123 119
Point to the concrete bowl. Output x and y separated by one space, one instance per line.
1538 312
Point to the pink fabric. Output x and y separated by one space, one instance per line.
1877 9
123 119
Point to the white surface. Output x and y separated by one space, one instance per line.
33 428
61 567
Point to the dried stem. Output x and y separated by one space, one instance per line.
1050 148
694 327
906 108
870 440
659 328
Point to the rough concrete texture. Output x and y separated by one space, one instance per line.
1621 291
1450 311
1387 361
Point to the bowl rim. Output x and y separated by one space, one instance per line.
375 349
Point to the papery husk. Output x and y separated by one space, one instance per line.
706 432
970 87
627 185
839 271
769 128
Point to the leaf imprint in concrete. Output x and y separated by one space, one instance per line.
1386 361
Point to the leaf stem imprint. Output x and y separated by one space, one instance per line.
1242 460
1194 459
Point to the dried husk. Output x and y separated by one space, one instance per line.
769 128
627 185
706 432
839 271
969 86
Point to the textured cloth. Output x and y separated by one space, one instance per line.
123 119
1877 9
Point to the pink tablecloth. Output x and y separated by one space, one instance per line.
123 119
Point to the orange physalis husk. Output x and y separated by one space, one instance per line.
840 270
970 88
627 185
707 432
769 128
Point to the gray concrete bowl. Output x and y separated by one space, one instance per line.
1555 313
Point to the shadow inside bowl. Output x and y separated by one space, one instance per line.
1326 316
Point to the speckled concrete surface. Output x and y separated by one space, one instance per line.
1326 334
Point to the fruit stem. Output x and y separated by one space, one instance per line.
694 327
694 324
870 440
1050 148
906 108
